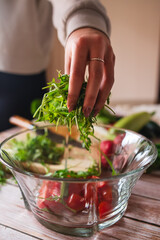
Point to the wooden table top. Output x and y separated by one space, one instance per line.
141 220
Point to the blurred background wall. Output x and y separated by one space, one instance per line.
135 39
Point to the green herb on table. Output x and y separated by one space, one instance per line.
2 174
54 109
37 149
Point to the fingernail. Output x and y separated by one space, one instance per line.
87 111
71 108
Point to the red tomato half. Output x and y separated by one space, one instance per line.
76 202
48 195
103 208
43 194
105 193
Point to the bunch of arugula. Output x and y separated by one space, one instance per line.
54 109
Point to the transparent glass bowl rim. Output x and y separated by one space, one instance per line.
116 177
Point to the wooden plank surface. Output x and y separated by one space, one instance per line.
129 229
148 186
15 216
144 209
11 234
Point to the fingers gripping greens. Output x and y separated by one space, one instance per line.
54 109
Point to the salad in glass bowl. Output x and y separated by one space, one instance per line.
73 190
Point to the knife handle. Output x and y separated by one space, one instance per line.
21 122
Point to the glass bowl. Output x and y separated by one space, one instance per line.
84 205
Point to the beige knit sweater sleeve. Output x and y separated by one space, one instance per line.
26 29
69 15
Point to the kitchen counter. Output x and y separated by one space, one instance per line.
141 220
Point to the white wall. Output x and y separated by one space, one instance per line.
135 40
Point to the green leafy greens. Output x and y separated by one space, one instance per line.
54 109
2 174
66 173
37 149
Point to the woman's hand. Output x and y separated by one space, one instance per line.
82 47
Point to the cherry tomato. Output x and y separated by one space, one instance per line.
118 139
76 202
77 188
103 208
101 184
105 193
106 147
